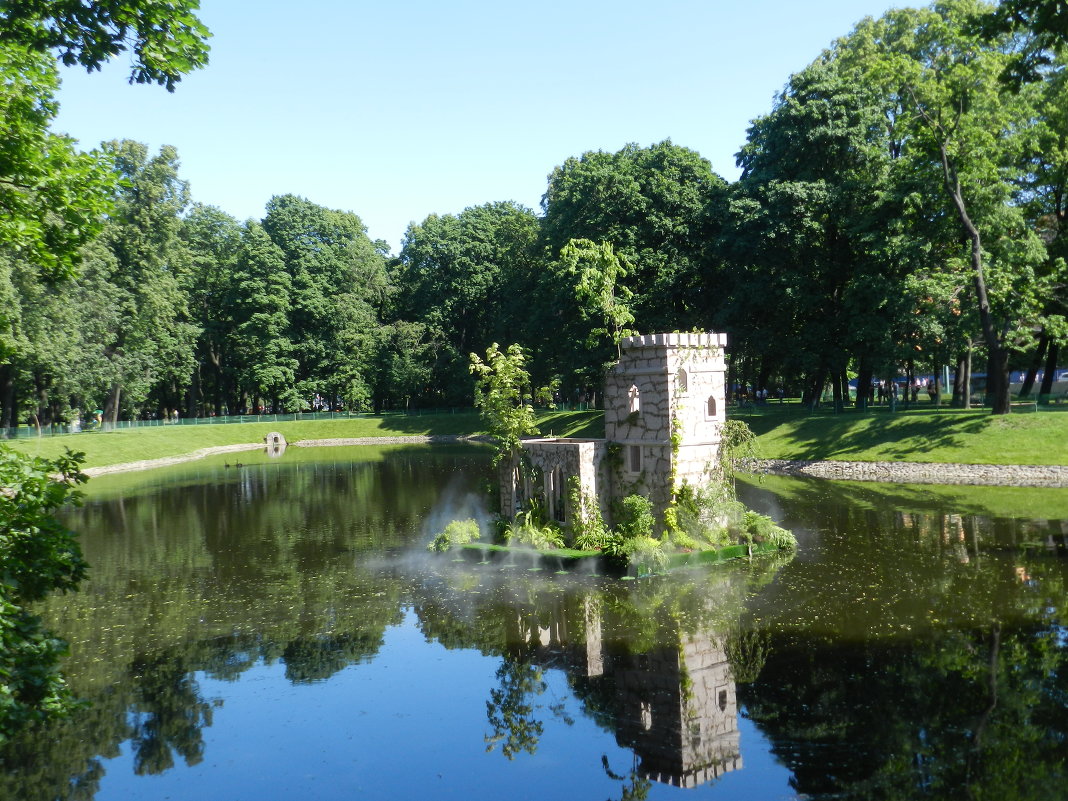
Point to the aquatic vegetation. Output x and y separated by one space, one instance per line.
458 532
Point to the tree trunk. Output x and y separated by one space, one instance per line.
762 376
1050 373
816 388
837 382
967 378
8 399
960 382
1035 366
111 404
997 373
864 375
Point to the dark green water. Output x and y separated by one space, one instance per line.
277 630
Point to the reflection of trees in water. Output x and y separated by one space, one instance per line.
928 662
167 716
265 552
310 659
200 582
511 708
976 713
642 658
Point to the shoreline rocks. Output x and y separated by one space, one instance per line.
992 475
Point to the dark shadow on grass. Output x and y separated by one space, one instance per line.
837 436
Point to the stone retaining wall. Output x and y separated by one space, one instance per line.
920 472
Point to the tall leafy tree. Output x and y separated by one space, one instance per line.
213 238
468 279
262 351
152 345
660 207
817 280
1042 191
339 286
961 121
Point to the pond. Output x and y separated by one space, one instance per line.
276 629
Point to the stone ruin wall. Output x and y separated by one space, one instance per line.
574 457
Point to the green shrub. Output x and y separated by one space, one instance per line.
635 517
458 532
761 528
646 555
588 530
539 537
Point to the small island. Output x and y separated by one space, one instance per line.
656 492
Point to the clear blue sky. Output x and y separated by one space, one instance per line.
396 110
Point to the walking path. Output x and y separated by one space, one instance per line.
146 464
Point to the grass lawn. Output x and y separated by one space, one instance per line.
134 444
921 434
785 431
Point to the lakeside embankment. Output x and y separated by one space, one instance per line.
917 446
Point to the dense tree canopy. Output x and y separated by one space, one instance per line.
164 37
901 207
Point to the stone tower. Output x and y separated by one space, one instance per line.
664 412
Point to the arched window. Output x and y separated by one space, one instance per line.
634 404
711 409
682 381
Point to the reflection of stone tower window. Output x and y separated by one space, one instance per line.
682 381
710 411
634 405
634 458
646 712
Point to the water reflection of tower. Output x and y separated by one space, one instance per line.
679 712
674 705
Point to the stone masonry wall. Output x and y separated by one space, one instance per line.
658 377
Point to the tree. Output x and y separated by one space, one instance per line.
152 345
339 286
816 250
262 351
469 279
1041 189
960 122
504 398
661 207
1040 26
52 197
212 238
38 556
165 36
